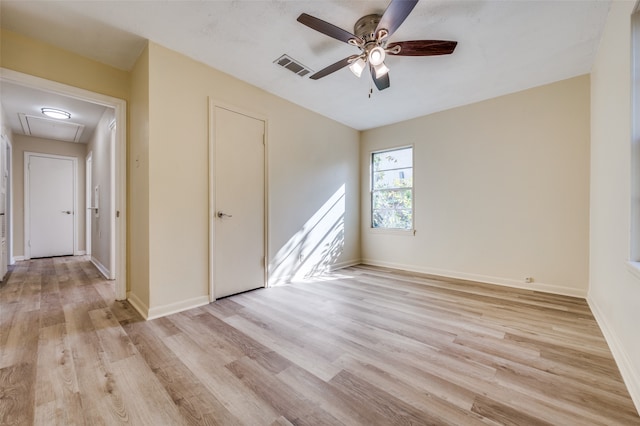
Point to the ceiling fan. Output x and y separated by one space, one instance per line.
371 36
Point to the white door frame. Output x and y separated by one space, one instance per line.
88 192
8 208
27 200
120 107
113 129
213 104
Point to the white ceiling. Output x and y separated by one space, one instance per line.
18 100
503 46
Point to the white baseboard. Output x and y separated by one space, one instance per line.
507 282
629 374
345 264
173 308
138 305
161 311
79 253
15 259
103 269
336 266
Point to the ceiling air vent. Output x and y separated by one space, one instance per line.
292 65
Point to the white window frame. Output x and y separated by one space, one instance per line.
411 230
634 250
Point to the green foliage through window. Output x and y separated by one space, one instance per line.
392 189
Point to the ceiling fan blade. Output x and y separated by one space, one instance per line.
395 14
382 82
325 28
423 47
333 68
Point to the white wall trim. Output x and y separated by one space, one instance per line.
344 264
138 305
506 282
103 269
630 376
120 107
88 190
15 259
173 308
332 268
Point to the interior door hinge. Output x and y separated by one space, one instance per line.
117 213
264 139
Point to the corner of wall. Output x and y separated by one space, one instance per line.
629 374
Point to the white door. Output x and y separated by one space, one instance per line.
239 230
50 216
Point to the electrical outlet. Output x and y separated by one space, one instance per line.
528 280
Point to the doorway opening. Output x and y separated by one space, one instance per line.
117 212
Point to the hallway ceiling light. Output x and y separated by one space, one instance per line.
56 113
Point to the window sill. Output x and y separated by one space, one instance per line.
404 232
634 268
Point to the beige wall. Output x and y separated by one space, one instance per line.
100 148
22 144
310 158
138 185
501 190
29 56
614 291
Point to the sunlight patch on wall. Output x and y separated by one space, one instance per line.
314 248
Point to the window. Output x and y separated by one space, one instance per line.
392 189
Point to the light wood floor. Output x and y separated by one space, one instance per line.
366 347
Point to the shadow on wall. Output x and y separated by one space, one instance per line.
314 248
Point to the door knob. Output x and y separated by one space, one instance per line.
66 211
222 215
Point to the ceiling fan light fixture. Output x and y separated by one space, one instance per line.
357 67
56 113
376 56
380 70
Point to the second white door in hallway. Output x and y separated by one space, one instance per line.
49 218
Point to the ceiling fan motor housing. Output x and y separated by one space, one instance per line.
365 27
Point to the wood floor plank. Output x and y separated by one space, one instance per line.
17 402
386 408
100 395
366 345
195 403
113 339
296 354
226 387
146 401
293 406
503 414
261 354
57 395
